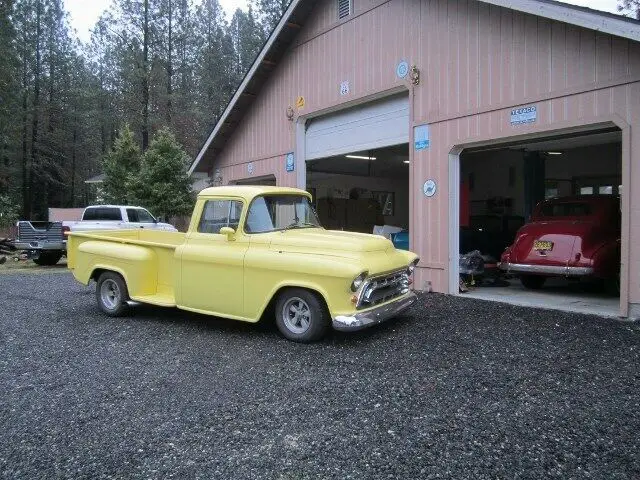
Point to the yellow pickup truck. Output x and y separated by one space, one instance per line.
250 251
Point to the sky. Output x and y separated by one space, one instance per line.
85 13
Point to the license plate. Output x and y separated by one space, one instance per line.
542 245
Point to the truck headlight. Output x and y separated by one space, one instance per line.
358 281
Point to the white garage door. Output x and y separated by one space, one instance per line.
374 125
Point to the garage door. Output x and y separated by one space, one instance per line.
374 125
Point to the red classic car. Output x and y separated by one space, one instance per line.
570 237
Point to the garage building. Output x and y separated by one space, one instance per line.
450 119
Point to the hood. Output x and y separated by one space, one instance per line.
331 242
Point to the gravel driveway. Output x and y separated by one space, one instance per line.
458 389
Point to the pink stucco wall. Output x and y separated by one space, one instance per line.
476 62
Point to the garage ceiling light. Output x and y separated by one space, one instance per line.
554 153
405 161
360 157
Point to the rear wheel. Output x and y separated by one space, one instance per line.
112 294
47 259
533 282
301 315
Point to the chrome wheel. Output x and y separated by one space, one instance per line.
110 294
296 315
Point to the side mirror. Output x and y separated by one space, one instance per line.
229 232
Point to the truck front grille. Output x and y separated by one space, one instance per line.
381 289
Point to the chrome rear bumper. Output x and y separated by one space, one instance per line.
546 269
360 320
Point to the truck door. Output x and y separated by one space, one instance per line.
212 273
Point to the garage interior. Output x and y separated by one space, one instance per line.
360 190
500 186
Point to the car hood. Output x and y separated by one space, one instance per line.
330 242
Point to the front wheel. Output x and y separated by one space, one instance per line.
532 282
46 259
112 294
301 315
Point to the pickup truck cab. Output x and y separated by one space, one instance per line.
110 217
251 251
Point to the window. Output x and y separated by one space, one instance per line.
586 191
218 214
566 210
605 190
102 213
139 215
344 8
280 212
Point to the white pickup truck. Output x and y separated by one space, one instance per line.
115 217
46 243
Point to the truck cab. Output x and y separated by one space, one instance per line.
109 217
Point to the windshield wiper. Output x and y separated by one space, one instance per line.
300 225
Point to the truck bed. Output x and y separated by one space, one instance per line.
145 258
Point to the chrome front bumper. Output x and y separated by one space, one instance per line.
546 269
360 320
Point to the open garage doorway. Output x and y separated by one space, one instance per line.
363 191
540 222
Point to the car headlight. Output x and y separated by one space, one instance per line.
358 281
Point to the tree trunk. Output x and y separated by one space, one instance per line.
74 142
145 78
26 191
169 63
33 176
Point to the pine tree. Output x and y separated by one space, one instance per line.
121 167
247 39
270 12
8 98
163 185
215 79
631 6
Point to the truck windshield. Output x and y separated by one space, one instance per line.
270 213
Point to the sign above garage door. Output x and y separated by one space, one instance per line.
373 125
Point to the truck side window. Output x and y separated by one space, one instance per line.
220 213
139 215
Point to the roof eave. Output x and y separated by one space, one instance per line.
593 20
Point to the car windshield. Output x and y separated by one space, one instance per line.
566 209
269 213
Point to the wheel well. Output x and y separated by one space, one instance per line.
95 275
269 311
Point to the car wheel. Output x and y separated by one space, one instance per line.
46 259
112 294
533 282
301 315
